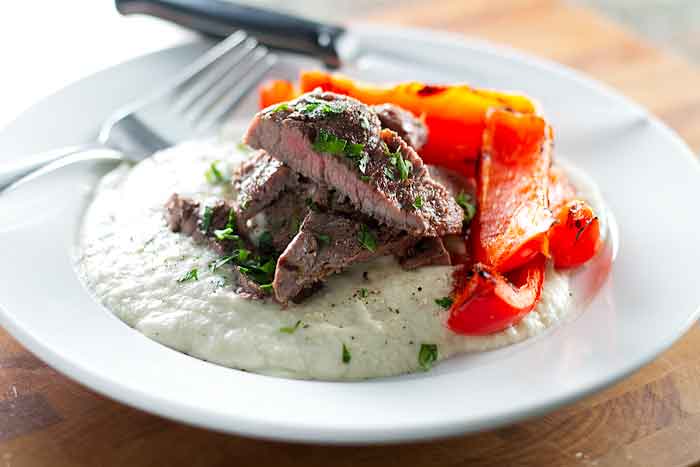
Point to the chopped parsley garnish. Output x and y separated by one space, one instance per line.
404 166
309 108
346 354
214 174
324 239
189 275
329 143
280 107
205 223
230 231
467 204
396 159
291 329
364 292
427 355
365 178
243 254
226 234
260 270
418 202
366 238
238 257
354 150
445 302
316 108
214 265
231 223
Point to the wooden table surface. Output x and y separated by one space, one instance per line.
652 418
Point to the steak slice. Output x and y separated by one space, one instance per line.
346 149
326 244
188 217
430 251
404 123
454 182
259 181
282 218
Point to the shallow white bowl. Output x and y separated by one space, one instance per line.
647 175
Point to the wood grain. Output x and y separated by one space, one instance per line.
651 418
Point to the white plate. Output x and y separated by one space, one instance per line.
647 174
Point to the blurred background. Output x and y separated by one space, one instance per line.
44 52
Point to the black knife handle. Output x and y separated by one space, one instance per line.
220 18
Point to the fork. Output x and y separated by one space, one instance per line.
194 102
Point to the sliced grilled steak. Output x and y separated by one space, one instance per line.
258 182
190 218
282 218
404 123
326 244
344 148
429 251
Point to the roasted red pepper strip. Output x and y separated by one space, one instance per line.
512 182
275 92
575 237
491 302
454 114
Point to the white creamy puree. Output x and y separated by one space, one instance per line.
131 262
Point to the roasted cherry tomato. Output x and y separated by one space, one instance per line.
490 302
575 237
512 182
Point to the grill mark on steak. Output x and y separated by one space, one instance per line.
326 244
289 135
404 123
184 215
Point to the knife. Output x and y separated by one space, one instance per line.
220 18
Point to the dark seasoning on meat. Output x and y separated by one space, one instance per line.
332 182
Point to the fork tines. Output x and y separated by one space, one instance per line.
210 88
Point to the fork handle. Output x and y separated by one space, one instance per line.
13 171
221 18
